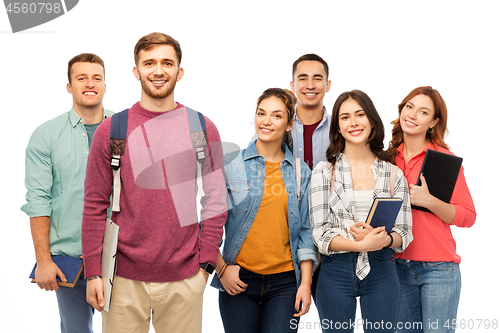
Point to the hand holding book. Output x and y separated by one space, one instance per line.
420 195
47 275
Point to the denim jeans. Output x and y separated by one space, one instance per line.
429 296
266 306
76 314
338 288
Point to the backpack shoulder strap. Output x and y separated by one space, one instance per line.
331 170
298 174
392 179
198 133
117 140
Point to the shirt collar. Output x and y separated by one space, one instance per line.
375 167
431 145
251 152
74 118
325 116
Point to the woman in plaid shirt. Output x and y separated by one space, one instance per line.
357 259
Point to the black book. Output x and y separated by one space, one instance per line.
441 172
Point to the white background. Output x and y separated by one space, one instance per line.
232 52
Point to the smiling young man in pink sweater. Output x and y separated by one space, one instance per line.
163 256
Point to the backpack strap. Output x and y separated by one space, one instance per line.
117 140
297 170
332 176
392 179
198 133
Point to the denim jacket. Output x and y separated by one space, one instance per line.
245 174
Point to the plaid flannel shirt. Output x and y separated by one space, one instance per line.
332 212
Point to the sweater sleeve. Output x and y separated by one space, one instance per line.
462 200
214 209
98 182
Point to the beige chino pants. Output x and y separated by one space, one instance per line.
171 306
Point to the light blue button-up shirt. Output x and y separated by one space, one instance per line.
56 159
320 138
245 175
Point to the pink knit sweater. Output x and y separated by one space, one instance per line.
160 238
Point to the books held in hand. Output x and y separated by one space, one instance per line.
441 172
70 266
383 212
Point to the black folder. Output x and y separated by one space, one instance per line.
441 172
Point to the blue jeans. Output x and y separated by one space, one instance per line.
429 296
266 306
338 287
76 314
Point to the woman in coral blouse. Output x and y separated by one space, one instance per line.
428 269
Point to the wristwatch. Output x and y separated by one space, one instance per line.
208 267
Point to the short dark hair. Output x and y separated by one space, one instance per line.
84 57
310 57
376 138
153 39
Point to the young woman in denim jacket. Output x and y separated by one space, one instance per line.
429 269
264 274
358 260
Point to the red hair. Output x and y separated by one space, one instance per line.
439 131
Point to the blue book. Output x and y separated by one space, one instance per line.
71 267
383 212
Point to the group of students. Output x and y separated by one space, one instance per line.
407 279
291 234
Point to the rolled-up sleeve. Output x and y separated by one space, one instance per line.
461 199
323 230
404 222
306 249
38 178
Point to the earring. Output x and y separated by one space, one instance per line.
430 129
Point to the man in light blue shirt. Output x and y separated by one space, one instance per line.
56 159
311 132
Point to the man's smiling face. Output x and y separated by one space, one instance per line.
87 84
310 83
158 70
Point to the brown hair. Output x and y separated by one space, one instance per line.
289 99
84 57
376 138
310 57
154 39
436 135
